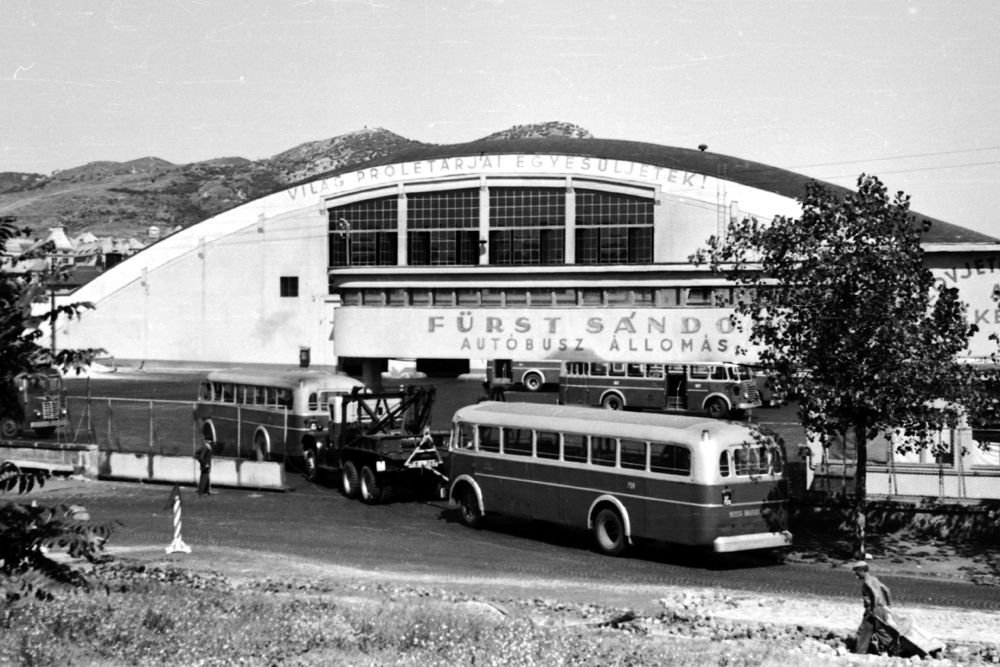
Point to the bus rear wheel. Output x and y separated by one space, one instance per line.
532 382
350 483
468 508
612 402
609 532
371 489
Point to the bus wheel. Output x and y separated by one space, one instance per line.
716 408
612 402
468 507
532 382
8 428
312 471
609 532
350 483
371 490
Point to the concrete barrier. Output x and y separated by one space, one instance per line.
236 473
54 456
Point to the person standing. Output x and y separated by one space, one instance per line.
204 458
877 623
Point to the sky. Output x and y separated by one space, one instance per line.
906 90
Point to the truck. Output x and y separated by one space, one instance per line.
37 403
379 443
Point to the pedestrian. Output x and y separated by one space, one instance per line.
878 628
204 458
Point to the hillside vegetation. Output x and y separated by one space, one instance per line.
126 198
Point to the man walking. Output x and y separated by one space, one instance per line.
204 458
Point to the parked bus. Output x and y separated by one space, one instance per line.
531 375
268 414
679 479
720 389
39 404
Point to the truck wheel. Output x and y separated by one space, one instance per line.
468 507
716 408
8 428
609 532
371 489
312 471
350 484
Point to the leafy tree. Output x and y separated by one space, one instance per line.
840 301
29 532
21 328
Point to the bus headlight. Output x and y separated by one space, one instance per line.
727 496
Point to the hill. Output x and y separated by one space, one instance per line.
126 198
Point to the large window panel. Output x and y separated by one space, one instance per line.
527 226
364 233
613 228
443 228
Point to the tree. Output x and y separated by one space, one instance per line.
840 301
21 328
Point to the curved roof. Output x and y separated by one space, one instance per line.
744 172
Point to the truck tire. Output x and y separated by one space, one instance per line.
350 483
717 408
9 429
533 381
371 487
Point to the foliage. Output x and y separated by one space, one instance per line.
28 532
841 302
21 329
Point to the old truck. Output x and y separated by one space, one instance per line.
380 443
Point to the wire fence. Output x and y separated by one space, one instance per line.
134 425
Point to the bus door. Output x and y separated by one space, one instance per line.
698 385
676 389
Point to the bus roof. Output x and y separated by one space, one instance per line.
287 378
599 421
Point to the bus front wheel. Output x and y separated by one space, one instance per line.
371 489
609 532
612 402
350 483
468 507
532 382
716 408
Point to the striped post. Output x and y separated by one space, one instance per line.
178 543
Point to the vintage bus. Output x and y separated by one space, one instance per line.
40 405
720 389
673 478
268 414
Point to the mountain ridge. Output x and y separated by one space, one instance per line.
127 198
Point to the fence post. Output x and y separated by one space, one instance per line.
239 430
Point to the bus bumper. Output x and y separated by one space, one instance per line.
752 541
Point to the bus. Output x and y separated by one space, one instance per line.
622 476
268 415
531 375
38 404
720 388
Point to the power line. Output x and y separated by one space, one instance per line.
897 157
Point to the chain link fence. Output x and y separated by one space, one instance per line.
134 425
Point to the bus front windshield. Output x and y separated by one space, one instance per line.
740 373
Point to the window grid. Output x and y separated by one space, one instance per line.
613 228
527 226
443 228
364 233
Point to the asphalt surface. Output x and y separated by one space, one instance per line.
314 521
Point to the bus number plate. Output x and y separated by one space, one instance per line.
735 514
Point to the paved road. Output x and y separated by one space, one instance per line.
315 521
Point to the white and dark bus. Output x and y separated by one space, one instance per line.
679 479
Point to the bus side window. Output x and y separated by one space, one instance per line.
602 451
205 391
719 373
654 371
633 454
698 372
489 439
547 444
598 368
284 398
313 402
575 448
517 441
617 370
227 392
669 459
635 371
724 463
